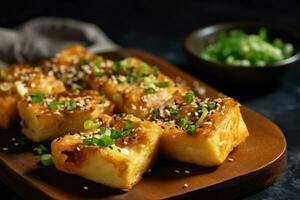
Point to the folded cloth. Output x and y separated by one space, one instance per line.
42 37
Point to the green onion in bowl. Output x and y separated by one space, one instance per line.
238 48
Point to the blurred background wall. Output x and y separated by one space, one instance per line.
156 26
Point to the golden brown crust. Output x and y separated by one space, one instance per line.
30 80
120 165
212 142
41 121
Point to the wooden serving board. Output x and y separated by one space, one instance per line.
256 163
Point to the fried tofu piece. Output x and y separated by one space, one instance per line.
72 55
198 131
60 114
140 103
105 157
127 82
77 67
20 80
8 110
138 87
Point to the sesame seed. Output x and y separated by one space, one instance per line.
133 106
185 185
85 187
176 171
13 139
187 171
4 148
149 170
16 144
230 159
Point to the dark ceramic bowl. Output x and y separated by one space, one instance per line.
196 41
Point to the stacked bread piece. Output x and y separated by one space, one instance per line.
108 119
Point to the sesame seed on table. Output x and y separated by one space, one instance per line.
161 32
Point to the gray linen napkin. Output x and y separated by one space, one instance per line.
42 37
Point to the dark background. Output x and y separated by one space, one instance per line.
160 26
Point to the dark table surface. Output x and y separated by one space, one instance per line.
159 27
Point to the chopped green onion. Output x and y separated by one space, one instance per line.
96 140
204 113
37 97
238 48
118 67
149 90
87 141
96 70
174 110
102 130
126 61
148 80
20 87
3 74
183 122
89 124
115 134
84 61
144 69
76 86
105 140
116 97
99 140
132 78
40 149
155 71
129 116
154 113
191 129
189 97
71 104
46 160
55 105
97 61
162 84
211 105
129 125
143 65
262 33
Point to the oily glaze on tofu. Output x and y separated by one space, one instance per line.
60 114
19 80
138 87
119 164
202 132
126 82
78 68
140 103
